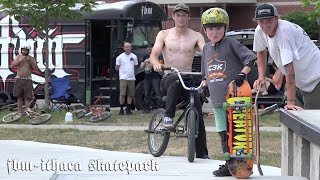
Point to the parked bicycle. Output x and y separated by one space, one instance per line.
186 125
35 117
97 112
6 102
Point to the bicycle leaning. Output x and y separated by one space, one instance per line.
187 124
35 117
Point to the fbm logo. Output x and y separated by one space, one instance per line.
146 11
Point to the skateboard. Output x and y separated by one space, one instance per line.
240 130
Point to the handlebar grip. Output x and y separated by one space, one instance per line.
165 68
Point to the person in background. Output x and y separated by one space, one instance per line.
151 82
126 63
23 81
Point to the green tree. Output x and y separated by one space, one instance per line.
314 14
308 24
38 13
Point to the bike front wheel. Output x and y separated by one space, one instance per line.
191 132
79 113
40 119
100 116
12 117
158 137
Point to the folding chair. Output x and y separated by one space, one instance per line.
59 93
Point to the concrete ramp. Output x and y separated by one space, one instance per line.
21 160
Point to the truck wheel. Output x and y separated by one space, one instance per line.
139 97
5 97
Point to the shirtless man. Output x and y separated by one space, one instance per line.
23 82
178 46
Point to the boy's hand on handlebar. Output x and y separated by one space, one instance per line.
206 91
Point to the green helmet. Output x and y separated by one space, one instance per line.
215 16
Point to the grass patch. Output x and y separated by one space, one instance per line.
137 119
136 141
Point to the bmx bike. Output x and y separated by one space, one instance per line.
97 112
35 117
186 125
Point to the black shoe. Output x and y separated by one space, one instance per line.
128 112
205 156
222 171
146 111
121 112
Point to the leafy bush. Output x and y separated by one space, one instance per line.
303 20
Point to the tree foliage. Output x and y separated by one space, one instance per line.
314 3
38 13
301 18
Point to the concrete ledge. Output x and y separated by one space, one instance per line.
300 143
304 123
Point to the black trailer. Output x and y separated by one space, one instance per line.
84 49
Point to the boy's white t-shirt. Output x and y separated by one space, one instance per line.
127 63
292 44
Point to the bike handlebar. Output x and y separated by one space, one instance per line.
181 79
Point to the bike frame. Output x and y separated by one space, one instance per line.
192 91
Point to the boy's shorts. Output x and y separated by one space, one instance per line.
23 88
127 87
220 116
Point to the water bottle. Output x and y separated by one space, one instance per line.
68 118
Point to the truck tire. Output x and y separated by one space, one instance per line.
5 97
139 97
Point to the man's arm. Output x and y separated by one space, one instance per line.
261 62
32 62
117 67
200 42
156 50
291 87
16 61
117 63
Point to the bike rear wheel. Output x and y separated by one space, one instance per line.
40 119
12 117
100 116
191 132
79 113
158 137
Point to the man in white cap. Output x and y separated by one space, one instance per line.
293 52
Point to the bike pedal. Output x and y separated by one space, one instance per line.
180 130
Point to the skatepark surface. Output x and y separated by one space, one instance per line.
22 160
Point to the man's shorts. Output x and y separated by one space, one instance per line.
23 88
127 87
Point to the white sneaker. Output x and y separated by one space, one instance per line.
167 122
